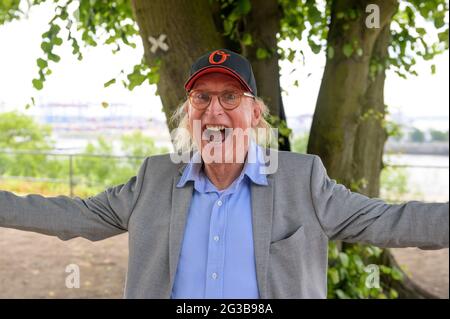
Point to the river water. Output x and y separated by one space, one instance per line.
427 175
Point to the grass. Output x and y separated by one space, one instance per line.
46 188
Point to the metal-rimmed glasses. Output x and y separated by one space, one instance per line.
229 100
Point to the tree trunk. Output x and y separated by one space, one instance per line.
344 91
263 23
406 289
190 31
368 157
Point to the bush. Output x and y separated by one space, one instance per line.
300 143
439 136
417 136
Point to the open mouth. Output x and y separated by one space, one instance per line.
216 134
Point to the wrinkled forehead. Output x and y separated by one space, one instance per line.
217 81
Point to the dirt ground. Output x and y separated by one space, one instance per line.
33 266
428 268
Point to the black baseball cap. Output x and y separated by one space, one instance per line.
226 62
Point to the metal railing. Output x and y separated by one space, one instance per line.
70 157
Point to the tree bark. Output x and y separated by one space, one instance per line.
406 289
343 94
369 156
191 32
263 23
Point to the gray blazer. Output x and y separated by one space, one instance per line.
293 219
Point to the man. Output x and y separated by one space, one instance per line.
224 225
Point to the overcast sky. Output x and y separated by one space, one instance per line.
74 81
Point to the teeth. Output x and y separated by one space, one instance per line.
215 127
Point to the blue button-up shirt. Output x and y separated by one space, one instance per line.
217 258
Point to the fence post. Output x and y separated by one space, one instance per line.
71 174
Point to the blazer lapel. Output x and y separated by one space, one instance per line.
262 211
181 199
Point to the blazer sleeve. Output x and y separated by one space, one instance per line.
352 217
95 218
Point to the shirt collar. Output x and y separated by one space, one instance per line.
253 169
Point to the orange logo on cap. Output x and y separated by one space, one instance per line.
223 57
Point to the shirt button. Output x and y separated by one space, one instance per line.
216 238
214 275
219 203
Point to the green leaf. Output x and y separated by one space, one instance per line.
433 69
373 251
153 77
54 57
63 15
334 275
38 85
439 22
421 31
393 294
333 250
330 53
443 36
228 26
315 48
385 270
344 259
359 52
57 41
347 50
262 54
42 63
136 78
358 262
46 47
314 13
396 274
110 82
341 294
244 6
247 39
54 29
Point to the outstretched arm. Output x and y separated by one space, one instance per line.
352 217
94 218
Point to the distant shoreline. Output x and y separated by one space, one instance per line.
426 148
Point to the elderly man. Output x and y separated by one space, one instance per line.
223 225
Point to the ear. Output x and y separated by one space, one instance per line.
256 113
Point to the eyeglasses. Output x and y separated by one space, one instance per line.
228 99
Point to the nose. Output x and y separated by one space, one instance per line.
214 107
